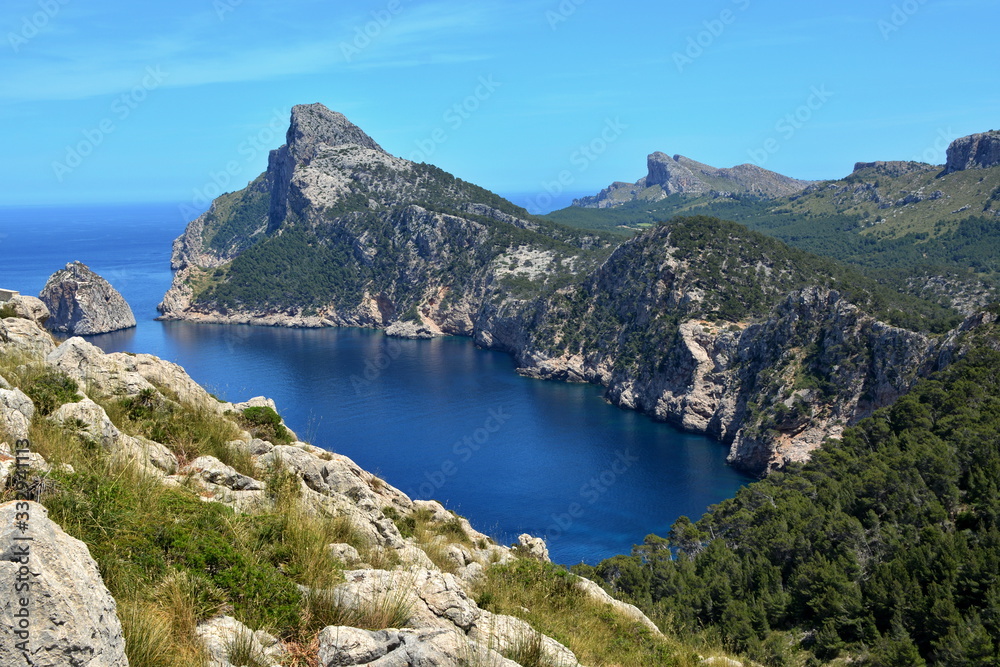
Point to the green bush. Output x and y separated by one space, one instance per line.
50 389
263 422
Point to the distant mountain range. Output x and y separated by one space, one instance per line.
673 175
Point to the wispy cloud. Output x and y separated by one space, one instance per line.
82 63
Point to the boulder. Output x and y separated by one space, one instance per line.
94 423
81 302
29 308
16 411
344 646
533 547
72 618
214 471
222 636
111 374
24 336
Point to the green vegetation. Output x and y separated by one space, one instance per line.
7 310
294 269
547 597
236 219
908 221
263 422
883 549
46 387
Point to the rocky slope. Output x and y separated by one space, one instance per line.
672 175
82 302
75 620
739 341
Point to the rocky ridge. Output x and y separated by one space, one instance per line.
75 618
82 302
668 175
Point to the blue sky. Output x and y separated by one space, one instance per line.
112 101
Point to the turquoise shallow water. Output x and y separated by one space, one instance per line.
438 419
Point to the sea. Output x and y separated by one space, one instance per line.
439 419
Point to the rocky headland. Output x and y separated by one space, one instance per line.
697 322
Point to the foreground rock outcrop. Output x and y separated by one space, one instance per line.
83 303
54 595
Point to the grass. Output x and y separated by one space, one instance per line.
546 596
433 537
389 609
188 431
241 650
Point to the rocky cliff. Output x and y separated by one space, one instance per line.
82 302
976 151
668 175
348 569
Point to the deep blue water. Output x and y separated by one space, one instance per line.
438 419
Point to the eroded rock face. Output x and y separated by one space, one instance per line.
72 617
976 151
81 302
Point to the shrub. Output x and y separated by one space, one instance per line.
50 389
263 422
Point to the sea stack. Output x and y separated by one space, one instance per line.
82 303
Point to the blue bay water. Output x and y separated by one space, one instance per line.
439 419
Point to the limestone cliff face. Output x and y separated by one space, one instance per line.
976 151
772 387
668 175
82 302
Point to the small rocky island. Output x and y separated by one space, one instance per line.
83 303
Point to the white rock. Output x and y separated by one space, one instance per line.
19 335
533 547
220 634
215 471
16 412
73 618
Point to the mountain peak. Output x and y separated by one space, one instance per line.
314 124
